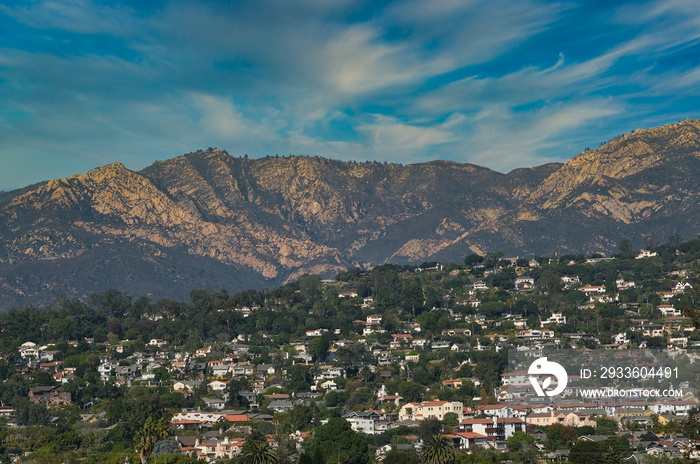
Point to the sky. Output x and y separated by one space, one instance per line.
502 84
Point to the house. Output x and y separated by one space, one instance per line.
316 332
568 281
217 385
567 418
555 318
49 395
496 410
519 377
495 429
480 286
228 448
668 310
214 403
186 385
280 406
536 334
621 284
412 357
593 289
329 373
467 440
235 418
681 287
600 299
677 341
456 383
29 350
621 339
645 254
363 421
329 385
524 283
649 330
431 409
439 345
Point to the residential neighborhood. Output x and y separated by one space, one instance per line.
396 354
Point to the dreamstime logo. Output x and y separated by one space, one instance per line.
542 367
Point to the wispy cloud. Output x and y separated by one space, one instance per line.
499 83
81 16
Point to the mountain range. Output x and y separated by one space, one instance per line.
211 219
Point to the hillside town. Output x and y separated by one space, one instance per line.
397 354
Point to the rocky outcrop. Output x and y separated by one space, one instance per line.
240 222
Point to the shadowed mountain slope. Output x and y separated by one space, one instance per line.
210 219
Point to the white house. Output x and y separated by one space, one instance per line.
363 421
668 310
494 428
593 289
29 350
570 280
555 318
645 254
217 385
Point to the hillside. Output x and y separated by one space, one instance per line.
211 219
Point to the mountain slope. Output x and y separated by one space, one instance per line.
208 218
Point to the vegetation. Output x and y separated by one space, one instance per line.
290 335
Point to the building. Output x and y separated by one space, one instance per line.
49 396
363 421
493 428
431 409
568 418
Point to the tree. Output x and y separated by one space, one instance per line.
437 449
234 389
429 428
692 311
258 452
319 346
585 452
147 437
519 440
451 419
400 457
336 441
140 404
675 240
520 447
28 413
626 247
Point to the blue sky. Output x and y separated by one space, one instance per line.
503 84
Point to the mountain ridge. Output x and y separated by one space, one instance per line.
271 219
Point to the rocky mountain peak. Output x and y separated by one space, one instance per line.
621 157
211 219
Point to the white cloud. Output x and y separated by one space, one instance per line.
407 81
390 138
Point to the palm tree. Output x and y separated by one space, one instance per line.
146 438
437 449
258 452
